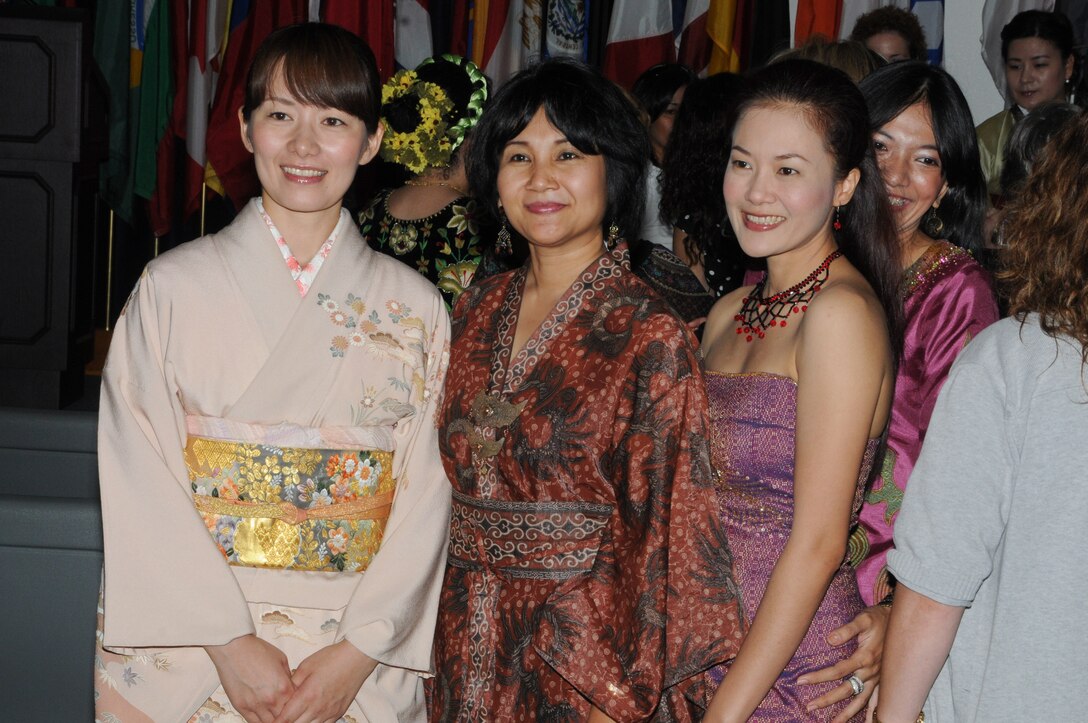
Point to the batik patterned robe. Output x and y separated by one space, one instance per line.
586 565
947 300
221 378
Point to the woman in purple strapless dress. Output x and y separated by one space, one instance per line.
800 377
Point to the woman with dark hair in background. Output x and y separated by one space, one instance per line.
691 180
892 33
925 147
800 370
991 547
1040 66
586 577
274 506
431 223
660 91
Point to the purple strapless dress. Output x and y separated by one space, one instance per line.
754 418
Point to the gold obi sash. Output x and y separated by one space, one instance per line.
289 507
542 540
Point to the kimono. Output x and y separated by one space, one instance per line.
269 464
947 300
586 564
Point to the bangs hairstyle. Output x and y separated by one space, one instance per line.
835 109
594 115
891 90
323 65
1045 269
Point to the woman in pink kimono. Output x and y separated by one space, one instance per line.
928 158
274 507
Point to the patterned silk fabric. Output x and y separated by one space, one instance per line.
586 564
755 417
297 509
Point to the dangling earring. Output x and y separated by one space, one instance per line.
932 223
503 244
836 224
613 236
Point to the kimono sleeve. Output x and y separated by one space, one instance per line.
166 583
661 605
955 510
391 616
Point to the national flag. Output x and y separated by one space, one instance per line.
854 9
412 35
693 44
230 166
721 26
995 15
930 15
639 37
505 36
155 85
199 33
113 56
817 17
373 21
566 23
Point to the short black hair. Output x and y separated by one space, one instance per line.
655 88
324 65
1052 26
591 111
890 19
891 90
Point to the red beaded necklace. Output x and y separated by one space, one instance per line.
757 314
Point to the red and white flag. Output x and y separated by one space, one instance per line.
693 45
412 34
639 36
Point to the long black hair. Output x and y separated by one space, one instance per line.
594 115
694 163
891 90
836 110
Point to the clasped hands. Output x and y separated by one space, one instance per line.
263 689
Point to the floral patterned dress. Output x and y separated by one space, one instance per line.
587 564
445 246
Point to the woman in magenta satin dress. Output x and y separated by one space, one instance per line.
799 375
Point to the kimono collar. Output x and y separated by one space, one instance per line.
302 274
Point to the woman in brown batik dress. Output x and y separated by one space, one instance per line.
588 578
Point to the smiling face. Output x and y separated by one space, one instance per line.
780 187
889 45
910 164
553 194
306 156
1035 72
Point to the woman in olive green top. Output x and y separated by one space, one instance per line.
1037 48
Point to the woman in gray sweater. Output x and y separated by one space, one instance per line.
991 546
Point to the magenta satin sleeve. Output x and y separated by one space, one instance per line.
940 320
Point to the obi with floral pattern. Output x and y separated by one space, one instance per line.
292 508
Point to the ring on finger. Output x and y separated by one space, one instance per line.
856 684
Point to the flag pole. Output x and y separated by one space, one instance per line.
109 270
203 200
